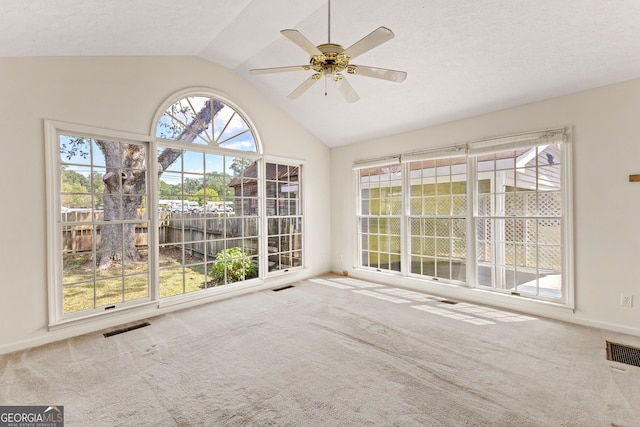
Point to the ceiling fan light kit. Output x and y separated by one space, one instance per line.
331 60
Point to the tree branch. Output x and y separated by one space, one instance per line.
197 126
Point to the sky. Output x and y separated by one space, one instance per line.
229 129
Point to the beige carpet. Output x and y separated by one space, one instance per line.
332 352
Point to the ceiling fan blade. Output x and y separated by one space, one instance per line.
379 73
303 87
280 69
297 37
375 38
346 89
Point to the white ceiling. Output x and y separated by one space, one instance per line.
463 58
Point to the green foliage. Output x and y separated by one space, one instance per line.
76 179
217 186
77 189
238 165
191 187
76 147
98 188
72 197
203 197
165 190
220 183
237 265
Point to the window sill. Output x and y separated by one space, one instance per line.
101 316
467 294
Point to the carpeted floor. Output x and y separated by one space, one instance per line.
333 351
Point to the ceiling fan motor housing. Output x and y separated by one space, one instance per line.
332 60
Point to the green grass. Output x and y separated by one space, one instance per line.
111 288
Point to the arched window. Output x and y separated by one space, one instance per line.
206 120
137 218
208 206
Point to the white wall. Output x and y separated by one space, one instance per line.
121 94
606 150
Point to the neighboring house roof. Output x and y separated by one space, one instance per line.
273 172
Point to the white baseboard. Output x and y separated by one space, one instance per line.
148 310
523 305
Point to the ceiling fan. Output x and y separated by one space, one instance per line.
331 59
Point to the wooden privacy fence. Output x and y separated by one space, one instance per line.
209 231
78 230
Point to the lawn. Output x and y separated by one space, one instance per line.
110 287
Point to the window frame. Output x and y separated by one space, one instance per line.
53 129
561 136
437 215
301 206
360 216
196 148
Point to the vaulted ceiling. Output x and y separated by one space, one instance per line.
463 58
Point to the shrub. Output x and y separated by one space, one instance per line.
237 264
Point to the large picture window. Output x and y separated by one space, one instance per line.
190 207
437 218
519 219
284 216
495 217
104 223
380 216
208 234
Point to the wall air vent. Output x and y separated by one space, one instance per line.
623 354
127 329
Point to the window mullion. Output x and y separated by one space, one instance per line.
153 222
472 212
405 255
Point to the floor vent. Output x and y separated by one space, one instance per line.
127 329
623 354
448 301
283 288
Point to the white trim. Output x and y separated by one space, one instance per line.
209 294
53 129
95 324
54 240
153 238
94 132
88 315
263 241
463 293
568 219
544 138
405 220
472 210
283 160
381 161
213 93
436 153
180 145
520 304
514 142
276 160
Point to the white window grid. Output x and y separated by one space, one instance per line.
529 233
437 218
380 217
284 215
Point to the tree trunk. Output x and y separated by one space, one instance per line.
125 186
